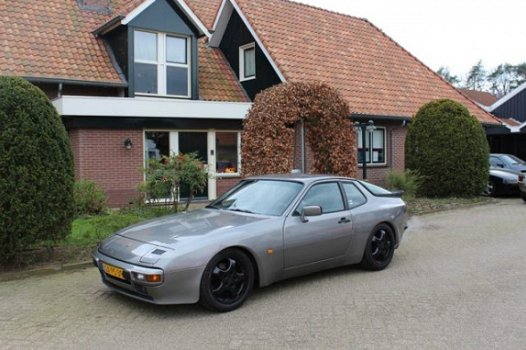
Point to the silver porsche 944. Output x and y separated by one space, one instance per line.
263 230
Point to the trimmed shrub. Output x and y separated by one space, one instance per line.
269 130
448 148
36 169
89 198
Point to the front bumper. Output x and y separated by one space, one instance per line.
178 287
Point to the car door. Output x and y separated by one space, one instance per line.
322 237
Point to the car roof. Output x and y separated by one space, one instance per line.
305 178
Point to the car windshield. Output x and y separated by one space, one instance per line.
265 197
512 160
375 190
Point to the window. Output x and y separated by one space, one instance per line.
157 145
247 62
326 195
162 64
355 198
227 149
376 153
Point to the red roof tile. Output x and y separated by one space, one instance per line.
53 39
206 10
372 72
217 81
481 97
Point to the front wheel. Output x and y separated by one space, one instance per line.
380 248
491 188
227 281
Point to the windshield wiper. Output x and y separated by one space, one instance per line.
242 210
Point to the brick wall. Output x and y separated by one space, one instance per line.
100 156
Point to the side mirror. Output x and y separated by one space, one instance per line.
314 210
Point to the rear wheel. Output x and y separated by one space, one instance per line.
491 188
227 281
380 248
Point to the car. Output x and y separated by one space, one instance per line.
507 161
265 229
503 181
522 188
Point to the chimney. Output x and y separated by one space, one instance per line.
99 6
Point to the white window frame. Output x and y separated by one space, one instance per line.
370 151
162 64
238 173
242 50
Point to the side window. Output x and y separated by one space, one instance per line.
355 198
493 161
327 195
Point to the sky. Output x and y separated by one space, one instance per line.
452 33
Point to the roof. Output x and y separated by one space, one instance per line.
53 39
508 97
481 97
510 122
372 72
206 10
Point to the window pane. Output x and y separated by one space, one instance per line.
250 62
176 50
226 148
177 81
378 146
327 196
145 46
157 144
146 78
354 196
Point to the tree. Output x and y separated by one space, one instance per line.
520 71
476 77
448 148
447 76
36 170
503 79
269 130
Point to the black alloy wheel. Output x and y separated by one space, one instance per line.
380 248
227 281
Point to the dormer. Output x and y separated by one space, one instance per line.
155 45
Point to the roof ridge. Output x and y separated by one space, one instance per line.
429 69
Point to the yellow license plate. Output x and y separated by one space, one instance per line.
113 271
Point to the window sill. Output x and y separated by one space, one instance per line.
247 79
141 94
372 165
226 175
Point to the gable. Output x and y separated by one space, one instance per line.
514 107
164 16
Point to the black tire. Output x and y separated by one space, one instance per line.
227 281
523 196
380 248
491 188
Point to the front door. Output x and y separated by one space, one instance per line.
194 142
323 237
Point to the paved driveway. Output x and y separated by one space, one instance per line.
457 282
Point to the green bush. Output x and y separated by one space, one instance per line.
36 169
407 181
448 148
89 198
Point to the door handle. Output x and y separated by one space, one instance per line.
344 221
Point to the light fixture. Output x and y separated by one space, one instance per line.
128 144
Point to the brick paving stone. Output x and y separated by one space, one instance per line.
457 282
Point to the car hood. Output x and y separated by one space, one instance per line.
167 231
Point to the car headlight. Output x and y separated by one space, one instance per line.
147 278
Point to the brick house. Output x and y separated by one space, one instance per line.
136 79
